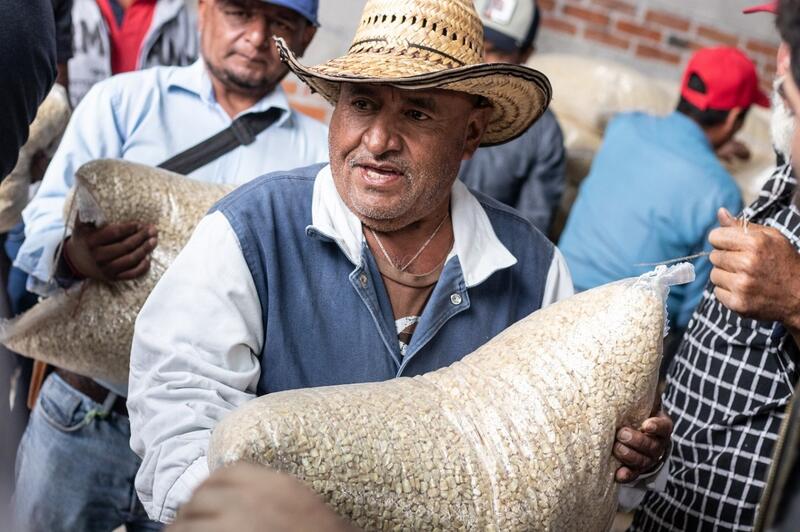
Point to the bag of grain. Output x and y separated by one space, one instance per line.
516 436
88 328
43 139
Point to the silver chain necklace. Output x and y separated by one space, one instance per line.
417 254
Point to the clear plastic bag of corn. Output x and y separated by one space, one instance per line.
516 436
88 328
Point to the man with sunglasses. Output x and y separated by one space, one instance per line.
76 470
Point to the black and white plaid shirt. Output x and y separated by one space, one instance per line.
726 391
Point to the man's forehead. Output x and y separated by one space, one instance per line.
376 89
259 5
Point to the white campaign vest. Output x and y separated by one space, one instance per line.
171 40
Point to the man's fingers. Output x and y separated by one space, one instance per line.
108 234
728 238
137 271
633 459
723 279
659 426
110 252
730 261
639 442
128 261
623 475
726 219
728 299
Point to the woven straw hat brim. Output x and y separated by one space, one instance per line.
519 95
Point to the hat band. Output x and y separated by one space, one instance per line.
408 44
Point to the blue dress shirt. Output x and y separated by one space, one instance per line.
652 195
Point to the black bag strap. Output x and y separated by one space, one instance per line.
241 132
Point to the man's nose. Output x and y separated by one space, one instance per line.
259 31
383 136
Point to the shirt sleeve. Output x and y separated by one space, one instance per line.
543 186
693 292
92 133
558 285
193 360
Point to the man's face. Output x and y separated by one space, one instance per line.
791 94
395 153
236 42
781 120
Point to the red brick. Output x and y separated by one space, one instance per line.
667 19
289 86
649 52
617 5
604 37
762 47
587 14
559 25
718 36
316 112
638 30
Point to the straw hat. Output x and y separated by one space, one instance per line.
423 44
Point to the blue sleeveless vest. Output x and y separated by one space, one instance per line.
328 321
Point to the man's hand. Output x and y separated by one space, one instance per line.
114 252
733 151
756 271
641 450
248 498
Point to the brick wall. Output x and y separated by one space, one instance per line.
656 37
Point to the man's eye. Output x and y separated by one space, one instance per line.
361 105
282 25
238 14
417 115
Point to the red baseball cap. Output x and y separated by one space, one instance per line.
729 77
769 7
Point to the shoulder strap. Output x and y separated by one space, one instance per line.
241 132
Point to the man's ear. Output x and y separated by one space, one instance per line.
735 120
202 5
783 59
308 33
476 127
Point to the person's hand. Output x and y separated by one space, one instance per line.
734 150
249 498
114 252
641 449
756 271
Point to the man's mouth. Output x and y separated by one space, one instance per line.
379 174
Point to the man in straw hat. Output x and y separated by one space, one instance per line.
378 265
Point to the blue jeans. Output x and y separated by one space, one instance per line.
75 468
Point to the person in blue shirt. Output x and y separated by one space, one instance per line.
528 172
655 185
76 469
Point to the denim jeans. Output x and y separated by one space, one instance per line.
75 468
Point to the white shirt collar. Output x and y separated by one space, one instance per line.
474 241
194 78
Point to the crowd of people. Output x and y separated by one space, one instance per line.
391 242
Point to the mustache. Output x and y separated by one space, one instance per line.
391 163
